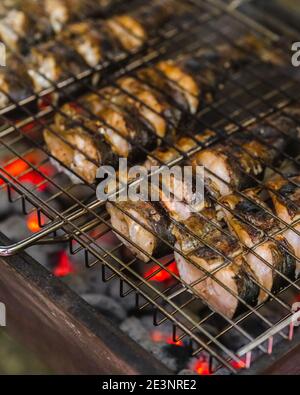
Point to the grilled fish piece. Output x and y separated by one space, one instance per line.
122 126
53 62
79 150
190 79
145 107
92 40
152 106
285 194
231 166
186 199
14 82
23 24
61 12
123 131
144 214
250 222
132 29
196 257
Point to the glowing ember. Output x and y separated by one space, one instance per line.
238 364
33 223
160 337
162 275
64 266
202 367
21 170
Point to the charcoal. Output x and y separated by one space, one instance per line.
106 305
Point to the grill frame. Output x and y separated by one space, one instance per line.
79 234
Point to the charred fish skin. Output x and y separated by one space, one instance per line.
285 195
24 24
195 77
251 223
187 80
53 62
92 40
243 158
16 84
131 29
121 124
124 132
153 107
62 12
144 214
80 149
234 275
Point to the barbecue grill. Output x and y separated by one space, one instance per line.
70 214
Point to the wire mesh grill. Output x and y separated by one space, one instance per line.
71 213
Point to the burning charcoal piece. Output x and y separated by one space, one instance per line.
134 328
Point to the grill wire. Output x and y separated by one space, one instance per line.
85 222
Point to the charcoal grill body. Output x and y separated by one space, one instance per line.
64 331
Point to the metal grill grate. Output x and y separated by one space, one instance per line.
84 222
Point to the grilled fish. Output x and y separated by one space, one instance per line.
132 29
250 221
206 249
79 150
285 194
113 119
54 62
23 24
142 216
92 40
192 80
152 106
231 166
179 197
125 123
15 83
62 12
